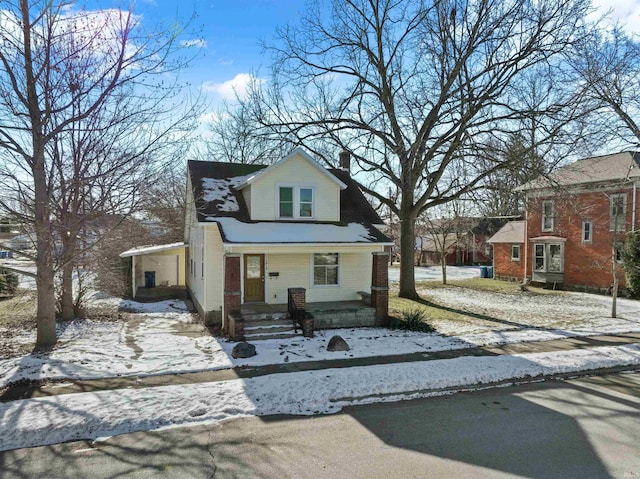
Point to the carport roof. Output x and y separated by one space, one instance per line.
151 249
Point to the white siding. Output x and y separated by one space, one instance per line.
246 193
296 172
213 268
194 279
295 271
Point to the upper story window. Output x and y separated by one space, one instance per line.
286 202
306 203
295 202
618 211
547 215
515 252
587 231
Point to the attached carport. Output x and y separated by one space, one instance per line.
157 270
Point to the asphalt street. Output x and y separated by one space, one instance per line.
581 428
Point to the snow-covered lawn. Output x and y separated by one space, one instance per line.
434 273
163 338
51 420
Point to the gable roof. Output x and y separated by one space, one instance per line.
298 151
215 188
216 192
621 166
512 232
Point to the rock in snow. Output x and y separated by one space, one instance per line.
336 343
243 350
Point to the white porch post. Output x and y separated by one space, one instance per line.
133 276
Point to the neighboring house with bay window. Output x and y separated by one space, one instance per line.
255 231
577 218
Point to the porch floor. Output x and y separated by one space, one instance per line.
262 308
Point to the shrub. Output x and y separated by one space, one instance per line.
412 320
631 262
8 282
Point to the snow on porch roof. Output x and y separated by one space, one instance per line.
234 231
150 249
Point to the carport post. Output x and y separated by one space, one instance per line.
133 277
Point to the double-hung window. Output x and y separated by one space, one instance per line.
286 202
618 211
547 215
306 202
515 252
325 269
587 231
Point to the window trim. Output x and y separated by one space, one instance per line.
551 216
590 230
312 275
516 247
623 225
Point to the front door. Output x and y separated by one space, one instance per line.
253 278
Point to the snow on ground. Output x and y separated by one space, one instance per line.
164 339
501 311
41 421
434 273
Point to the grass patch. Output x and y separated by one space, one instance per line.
483 284
17 310
397 307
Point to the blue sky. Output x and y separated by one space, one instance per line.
228 33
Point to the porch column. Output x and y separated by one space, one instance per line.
232 296
380 286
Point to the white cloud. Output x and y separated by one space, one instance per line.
624 12
211 117
238 86
196 43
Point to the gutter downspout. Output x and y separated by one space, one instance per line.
633 215
526 240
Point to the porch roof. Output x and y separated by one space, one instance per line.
271 232
548 239
151 249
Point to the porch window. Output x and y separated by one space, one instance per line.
286 202
306 202
325 269
538 257
515 252
547 216
618 211
587 231
548 257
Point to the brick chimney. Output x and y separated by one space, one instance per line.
345 161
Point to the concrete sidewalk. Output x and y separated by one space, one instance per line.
69 386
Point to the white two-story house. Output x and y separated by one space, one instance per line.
254 231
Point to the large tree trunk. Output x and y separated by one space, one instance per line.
46 314
407 248
614 288
67 309
443 263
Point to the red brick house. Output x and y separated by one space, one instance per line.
508 248
576 219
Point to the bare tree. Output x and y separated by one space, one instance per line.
608 63
59 67
236 137
416 90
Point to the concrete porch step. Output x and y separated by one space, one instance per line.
285 334
262 323
268 328
252 317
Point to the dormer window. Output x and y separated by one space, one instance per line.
295 202
286 202
306 203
